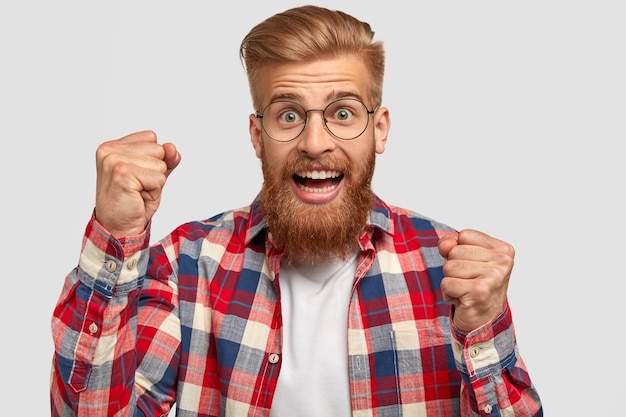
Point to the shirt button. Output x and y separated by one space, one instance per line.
474 351
274 357
93 328
131 264
110 265
488 409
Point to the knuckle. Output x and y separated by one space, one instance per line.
481 290
103 150
508 249
447 268
503 258
119 169
150 134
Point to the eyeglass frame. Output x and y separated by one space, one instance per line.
306 118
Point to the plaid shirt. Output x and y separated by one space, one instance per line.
195 320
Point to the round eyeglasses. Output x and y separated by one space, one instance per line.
285 120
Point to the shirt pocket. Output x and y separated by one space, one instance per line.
423 359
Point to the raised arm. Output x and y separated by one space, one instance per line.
476 279
108 304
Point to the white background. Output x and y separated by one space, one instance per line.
508 117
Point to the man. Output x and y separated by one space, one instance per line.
318 299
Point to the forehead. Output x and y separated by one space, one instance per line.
315 83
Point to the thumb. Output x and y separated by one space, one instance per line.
446 244
172 157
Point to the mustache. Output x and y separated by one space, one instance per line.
304 163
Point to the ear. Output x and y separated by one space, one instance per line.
382 123
256 131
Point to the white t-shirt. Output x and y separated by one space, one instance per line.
313 378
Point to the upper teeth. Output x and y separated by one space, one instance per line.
319 175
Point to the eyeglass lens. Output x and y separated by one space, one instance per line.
285 120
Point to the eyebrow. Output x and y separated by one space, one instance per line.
333 95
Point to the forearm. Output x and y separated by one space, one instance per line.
94 328
94 340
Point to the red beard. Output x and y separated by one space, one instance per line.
314 233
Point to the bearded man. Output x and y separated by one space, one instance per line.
317 299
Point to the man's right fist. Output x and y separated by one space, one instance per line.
131 173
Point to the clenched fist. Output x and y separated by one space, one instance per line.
476 277
131 173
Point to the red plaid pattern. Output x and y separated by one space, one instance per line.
195 320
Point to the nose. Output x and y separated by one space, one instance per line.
316 140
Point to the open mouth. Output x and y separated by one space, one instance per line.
317 181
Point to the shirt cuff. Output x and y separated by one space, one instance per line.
109 265
486 350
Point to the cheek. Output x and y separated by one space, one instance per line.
273 159
362 155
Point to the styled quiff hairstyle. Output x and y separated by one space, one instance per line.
310 33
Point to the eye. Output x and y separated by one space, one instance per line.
342 114
345 111
289 116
